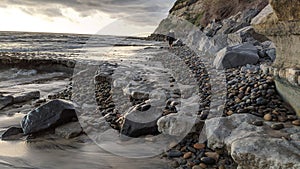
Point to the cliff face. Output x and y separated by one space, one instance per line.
201 12
280 21
190 10
211 25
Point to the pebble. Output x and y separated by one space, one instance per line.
277 126
213 155
296 122
291 117
191 149
190 164
197 167
208 160
229 113
174 164
268 117
221 167
260 101
172 144
174 153
282 118
199 146
275 112
202 165
187 155
258 123
182 161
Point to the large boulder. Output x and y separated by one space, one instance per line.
197 40
234 56
253 146
51 114
141 120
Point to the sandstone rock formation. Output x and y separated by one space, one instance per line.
280 21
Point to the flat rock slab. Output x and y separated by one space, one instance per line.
51 114
26 96
253 146
17 97
69 130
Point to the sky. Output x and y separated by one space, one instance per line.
110 17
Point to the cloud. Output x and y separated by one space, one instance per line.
143 12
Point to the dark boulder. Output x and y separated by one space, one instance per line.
13 133
51 114
138 123
238 55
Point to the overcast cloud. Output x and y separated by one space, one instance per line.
142 9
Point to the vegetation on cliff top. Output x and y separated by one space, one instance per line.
213 9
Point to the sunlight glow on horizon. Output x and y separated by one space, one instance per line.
15 19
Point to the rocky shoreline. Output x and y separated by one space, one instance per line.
250 90
38 61
142 103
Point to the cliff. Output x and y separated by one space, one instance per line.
280 22
201 12
208 26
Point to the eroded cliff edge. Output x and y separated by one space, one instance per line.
280 22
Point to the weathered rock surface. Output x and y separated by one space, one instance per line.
69 130
46 61
239 55
14 98
5 101
26 96
279 21
286 10
254 146
51 114
137 122
176 124
13 133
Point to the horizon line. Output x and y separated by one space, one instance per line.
72 33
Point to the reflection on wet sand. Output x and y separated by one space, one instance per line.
49 152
